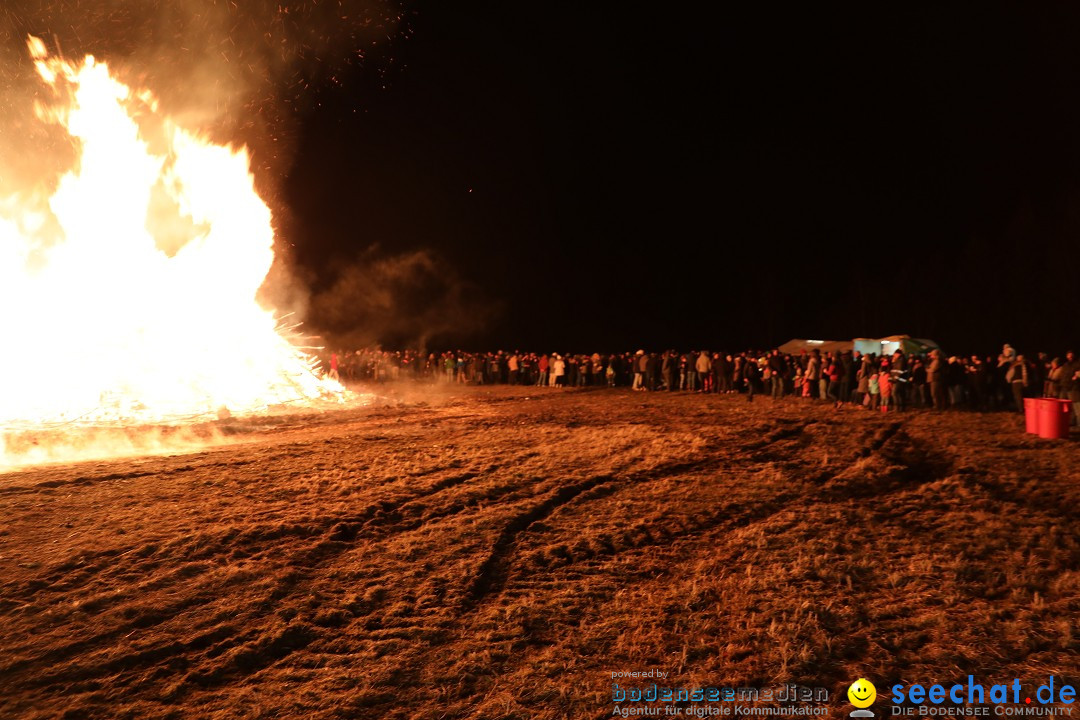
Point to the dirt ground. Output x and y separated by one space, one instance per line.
497 553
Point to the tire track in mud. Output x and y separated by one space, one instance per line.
881 437
492 574
1026 492
58 655
807 490
341 537
789 429
338 533
336 537
337 528
908 464
388 512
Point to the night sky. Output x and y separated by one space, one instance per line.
602 176
605 177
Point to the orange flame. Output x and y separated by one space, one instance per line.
109 323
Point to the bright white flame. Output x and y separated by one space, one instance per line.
100 322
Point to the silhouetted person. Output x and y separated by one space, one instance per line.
652 371
776 367
703 366
668 369
1017 377
812 375
750 377
935 378
847 372
1069 386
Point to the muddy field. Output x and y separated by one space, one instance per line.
498 553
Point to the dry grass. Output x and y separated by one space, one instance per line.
492 554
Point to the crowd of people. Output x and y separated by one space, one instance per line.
892 382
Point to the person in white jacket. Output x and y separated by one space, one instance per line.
558 371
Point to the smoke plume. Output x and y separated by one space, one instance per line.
410 300
242 72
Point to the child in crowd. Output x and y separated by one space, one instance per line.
885 388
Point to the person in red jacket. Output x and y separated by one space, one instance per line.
885 387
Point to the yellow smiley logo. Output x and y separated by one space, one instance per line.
862 693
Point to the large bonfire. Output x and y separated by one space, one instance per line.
107 319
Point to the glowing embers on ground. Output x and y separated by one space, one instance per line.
129 286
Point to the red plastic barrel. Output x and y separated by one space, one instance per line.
1054 418
1031 415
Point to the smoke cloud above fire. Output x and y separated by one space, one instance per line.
411 300
243 73
240 70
